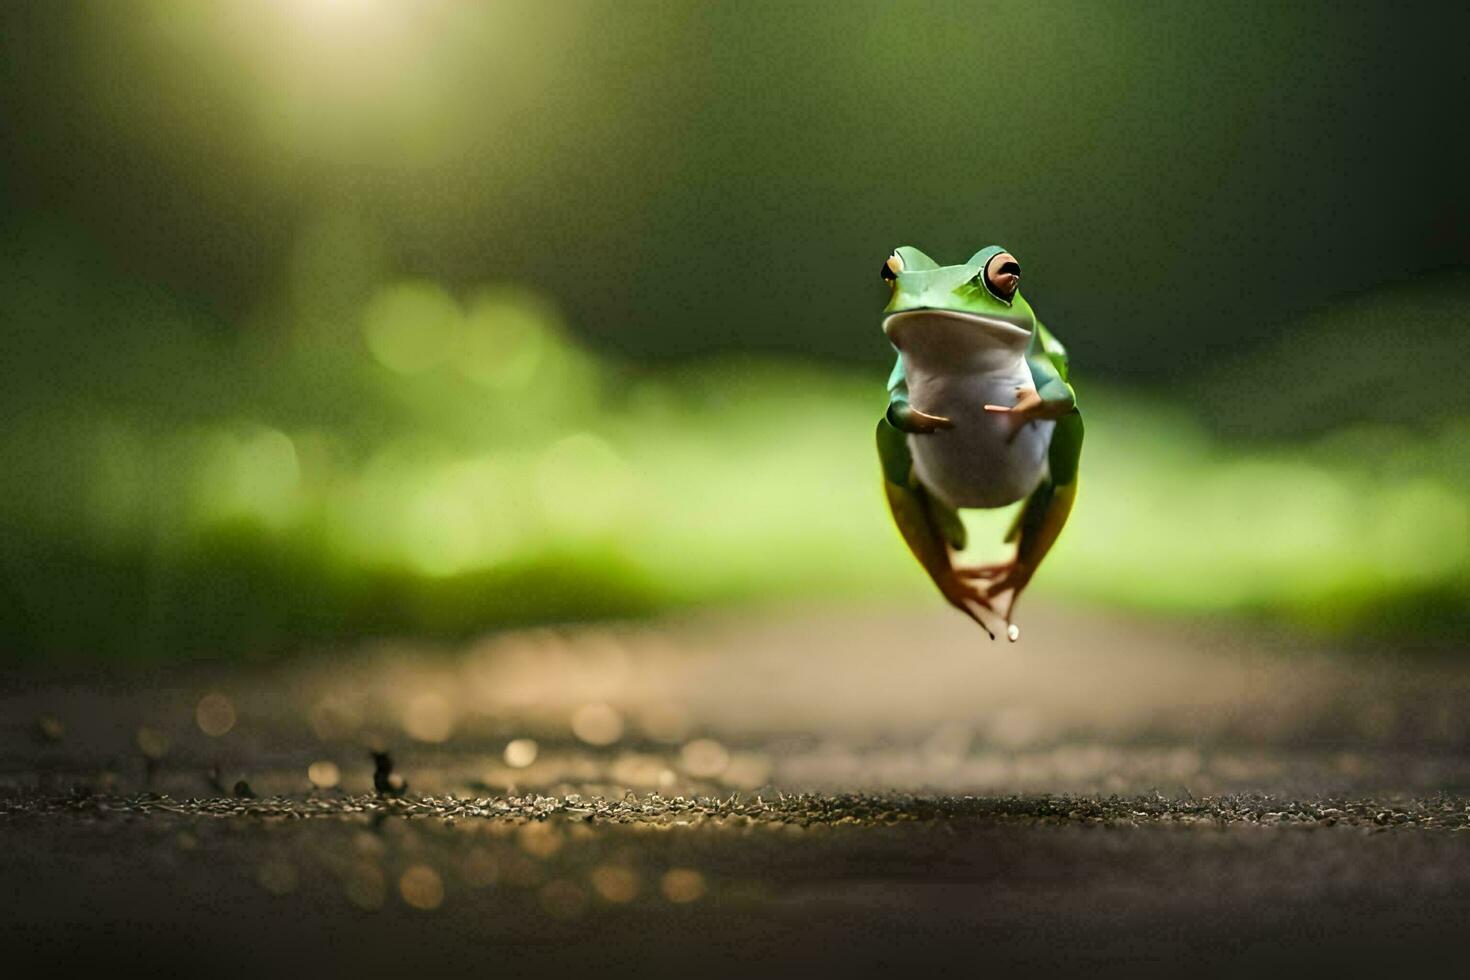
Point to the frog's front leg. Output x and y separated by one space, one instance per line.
906 418
1030 406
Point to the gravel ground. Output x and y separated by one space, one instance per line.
866 791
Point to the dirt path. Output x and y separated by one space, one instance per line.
869 791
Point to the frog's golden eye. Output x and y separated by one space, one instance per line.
892 266
1003 275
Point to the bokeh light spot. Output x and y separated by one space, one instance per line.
637 769
422 887
428 717
747 770
540 840
521 752
410 326
324 774
682 885
583 485
215 715
615 883
256 475
704 758
597 724
507 339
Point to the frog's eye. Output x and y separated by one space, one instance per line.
892 266
1002 276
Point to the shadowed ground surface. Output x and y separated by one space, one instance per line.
869 791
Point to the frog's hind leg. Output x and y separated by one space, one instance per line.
1040 520
932 529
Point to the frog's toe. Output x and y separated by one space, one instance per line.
1014 584
1006 580
968 599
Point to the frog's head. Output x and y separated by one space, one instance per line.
983 294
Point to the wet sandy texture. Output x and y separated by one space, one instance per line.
866 791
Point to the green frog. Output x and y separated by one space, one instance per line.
981 414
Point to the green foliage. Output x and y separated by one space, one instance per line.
441 466
234 421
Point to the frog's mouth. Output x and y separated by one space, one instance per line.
1003 328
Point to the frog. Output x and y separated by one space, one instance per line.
981 415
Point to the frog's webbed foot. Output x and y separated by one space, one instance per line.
967 597
1003 577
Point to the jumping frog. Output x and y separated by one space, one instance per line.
980 415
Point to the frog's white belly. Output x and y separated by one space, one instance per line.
955 365
976 463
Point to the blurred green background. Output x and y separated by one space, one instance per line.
324 318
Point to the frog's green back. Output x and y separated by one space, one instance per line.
1055 351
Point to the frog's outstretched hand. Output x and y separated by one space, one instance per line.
906 418
1030 406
